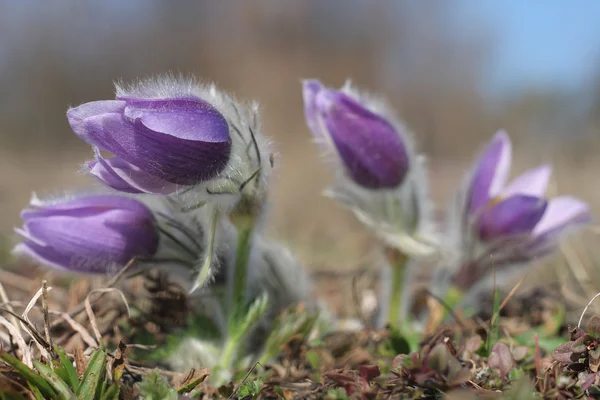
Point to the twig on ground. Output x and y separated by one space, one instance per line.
46 318
90 312
357 305
82 307
507 298
446 307
237 387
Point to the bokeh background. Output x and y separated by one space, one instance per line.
456 71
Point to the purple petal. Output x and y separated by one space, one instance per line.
533 182
182 118
50 257
78 115
513 216
310 89
89 237
563 212
372 150
170 158
491 172
124 177
94 202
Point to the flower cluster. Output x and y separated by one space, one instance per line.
184 170
380 177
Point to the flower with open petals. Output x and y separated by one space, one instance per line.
90 234
160 139
509 224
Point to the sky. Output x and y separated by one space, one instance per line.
540 42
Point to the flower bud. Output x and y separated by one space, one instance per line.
380 176
89 234
371 150
171 137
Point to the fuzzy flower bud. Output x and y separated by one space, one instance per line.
89 234
172 134
379 175
179 139
371 150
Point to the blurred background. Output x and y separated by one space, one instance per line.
456 71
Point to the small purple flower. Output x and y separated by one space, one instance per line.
158 141
371 149
520 208
89 234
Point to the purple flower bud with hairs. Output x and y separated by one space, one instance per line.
88 234
379 175
507 225
370 148
161 135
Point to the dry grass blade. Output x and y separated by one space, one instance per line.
45 313
577 268
28 327
114 280
85 335
16 334
357 304
8 305
507 298
90 312
42 344
586 308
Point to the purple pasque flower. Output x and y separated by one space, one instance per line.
520 208
371 150
89 234
159 138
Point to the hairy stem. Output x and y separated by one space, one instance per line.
238 293
398 263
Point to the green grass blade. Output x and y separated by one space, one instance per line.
11 390
92 376
494 332
67 365
32 377
36 392
112 393
57 383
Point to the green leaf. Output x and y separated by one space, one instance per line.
112 393
337 394
256 310
198 378
36 392
154 387
33 378
68 368
250 389
396 343
314 359
288 324
57 383
92 375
